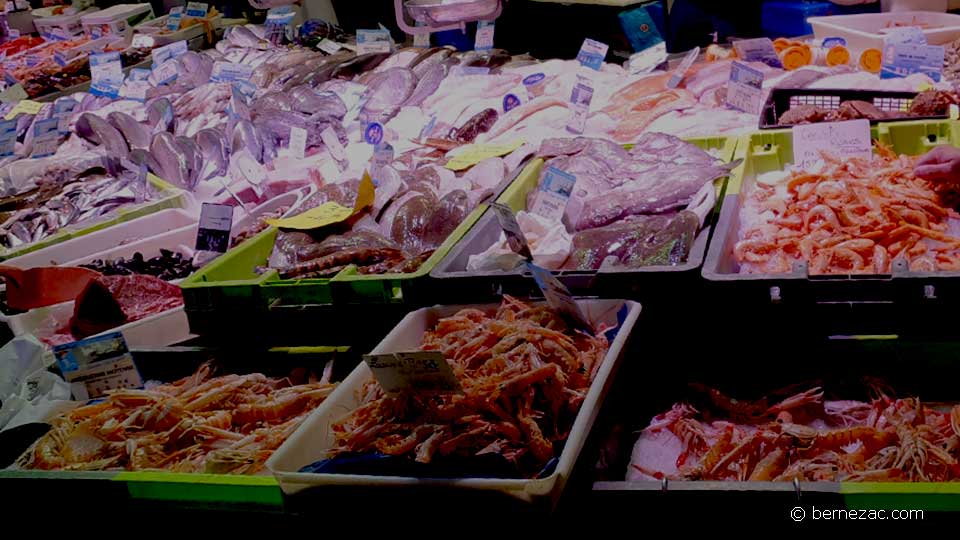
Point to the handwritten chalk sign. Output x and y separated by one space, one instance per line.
843 140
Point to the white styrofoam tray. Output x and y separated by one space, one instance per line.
867 30
314 437
105 239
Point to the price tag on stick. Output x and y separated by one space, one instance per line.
559 297
745 88
98 364
511 228
216 220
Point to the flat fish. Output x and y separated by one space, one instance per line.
245 137
390 89
171 159
427 85
426 64
160 115
194 159
216 154
141 156
98 131
136 134
361 64
489 59
636 242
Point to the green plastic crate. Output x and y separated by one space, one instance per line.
168 196
773 150
230 283
768 151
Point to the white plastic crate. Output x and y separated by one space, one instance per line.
105 239
312 439
867 30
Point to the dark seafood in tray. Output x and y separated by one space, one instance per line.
168 266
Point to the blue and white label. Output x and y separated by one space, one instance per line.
197 9
63 111
383 155
421 40
903 59
373 41
466 71
46 137
174 19
428 128
373 134
553 194
8 137
592 54
580 100
757 50
831 42
685 65
484 38
106 71
165 73
745 88
230 72
510 102
168 52
138 74
96 365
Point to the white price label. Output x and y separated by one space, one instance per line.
558 296
333 144
484 37
373 41
213 234
298 142
420 371
329 46
745 88
553 194
143 41
98 364
511 229
844 140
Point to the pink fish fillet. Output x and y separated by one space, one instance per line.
521 113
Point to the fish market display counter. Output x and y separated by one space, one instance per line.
311 274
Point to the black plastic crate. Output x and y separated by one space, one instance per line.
782 100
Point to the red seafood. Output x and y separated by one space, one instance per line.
524 375
855 217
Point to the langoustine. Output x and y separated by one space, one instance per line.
802 438
849 217
523 375
227 424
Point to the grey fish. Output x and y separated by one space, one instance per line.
140 156
171 159
361 64
215 153
428 62
136 134
160 115
194 159
304 99
98 131
427 85
245 137
195 69
388 91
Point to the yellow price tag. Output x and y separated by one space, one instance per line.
924 86
475 153
25 106
330 212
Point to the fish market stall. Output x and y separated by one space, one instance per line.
557 287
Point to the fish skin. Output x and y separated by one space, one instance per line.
141 156
361 64
388 92
194 160
215 153
245 136
136 134
157 117
98 131
171 159
427 85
